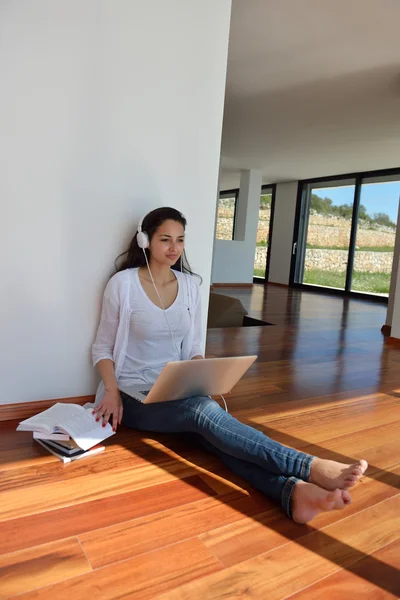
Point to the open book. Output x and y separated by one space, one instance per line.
72 419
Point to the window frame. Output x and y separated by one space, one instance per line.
271 188
359 178
228 194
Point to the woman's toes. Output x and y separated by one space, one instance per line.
349 484
360 468
308 500
351 478
357 471
331 474
346 497
335 499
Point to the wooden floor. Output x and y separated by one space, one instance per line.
156 517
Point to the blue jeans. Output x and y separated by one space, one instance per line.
269 466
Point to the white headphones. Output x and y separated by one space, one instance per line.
142 237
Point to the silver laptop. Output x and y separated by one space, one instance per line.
186 378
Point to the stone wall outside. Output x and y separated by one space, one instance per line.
225 223
336 260
339 235
325 231
328 232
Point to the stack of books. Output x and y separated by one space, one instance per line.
68 431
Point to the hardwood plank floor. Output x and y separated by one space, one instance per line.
142 577
41 565
157 517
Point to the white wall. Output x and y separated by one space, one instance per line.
230 263
107 110
282 233
233 261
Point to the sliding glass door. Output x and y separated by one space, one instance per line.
345 233
376 230
326 227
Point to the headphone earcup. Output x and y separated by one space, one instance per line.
142 239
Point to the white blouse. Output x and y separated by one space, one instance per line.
134 333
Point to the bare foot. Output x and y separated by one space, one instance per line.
308 500
332 475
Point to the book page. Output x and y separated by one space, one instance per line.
72 419
84 429
47 420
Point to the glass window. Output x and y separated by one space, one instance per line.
263 229
226 215
327 219
376 231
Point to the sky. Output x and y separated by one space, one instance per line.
376 197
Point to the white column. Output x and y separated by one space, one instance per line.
282 234
233 261
248 206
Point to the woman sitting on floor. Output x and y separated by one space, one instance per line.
151 313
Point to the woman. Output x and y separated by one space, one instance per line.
151 315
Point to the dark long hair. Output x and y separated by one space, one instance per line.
134 256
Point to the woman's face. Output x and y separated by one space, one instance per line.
167 243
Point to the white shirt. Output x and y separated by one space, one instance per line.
150 342
124 297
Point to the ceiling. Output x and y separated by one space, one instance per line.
313 88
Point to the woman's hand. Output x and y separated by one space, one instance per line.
110 407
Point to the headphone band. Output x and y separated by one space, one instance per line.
139 227
140 224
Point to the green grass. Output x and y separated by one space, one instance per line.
263 244
375 283
259 272
363 249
